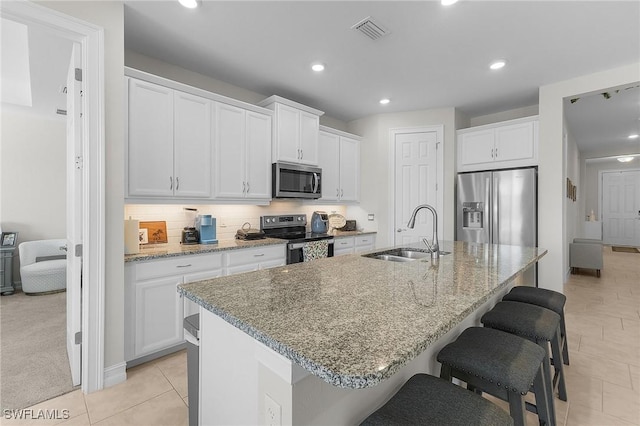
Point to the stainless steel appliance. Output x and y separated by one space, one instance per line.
296 181
498 207
190 235
293 228
319 222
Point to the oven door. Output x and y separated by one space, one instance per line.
295 251
296 181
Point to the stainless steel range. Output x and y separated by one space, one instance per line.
293 228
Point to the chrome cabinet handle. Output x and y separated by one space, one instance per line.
171 182
248 187
496 152
184 266
244 187
177 183
342 193
337 192
301 154
258 255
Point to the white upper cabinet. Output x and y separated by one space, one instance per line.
242 151
295 134
339 159
508 144
169 148
150 140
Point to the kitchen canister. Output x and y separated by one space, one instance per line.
131 242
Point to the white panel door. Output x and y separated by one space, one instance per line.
258 155
415 184
192 146
349 169
150 140
621 208
329 162
74 215
229 151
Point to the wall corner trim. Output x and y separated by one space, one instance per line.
115 374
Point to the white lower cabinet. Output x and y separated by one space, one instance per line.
343 245
254 259
154 310
364 243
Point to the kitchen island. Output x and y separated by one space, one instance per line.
328 341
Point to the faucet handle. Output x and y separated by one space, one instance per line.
426 243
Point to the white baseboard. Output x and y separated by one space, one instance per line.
115 374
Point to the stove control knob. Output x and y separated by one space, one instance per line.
267 220
300 218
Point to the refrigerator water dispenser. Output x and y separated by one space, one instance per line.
472 214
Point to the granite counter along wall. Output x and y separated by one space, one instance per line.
229 218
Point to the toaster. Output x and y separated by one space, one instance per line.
350 225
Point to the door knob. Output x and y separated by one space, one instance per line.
400 230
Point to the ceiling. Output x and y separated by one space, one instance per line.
433 57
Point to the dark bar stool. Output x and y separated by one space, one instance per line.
540 325
503 365
547 299
428 400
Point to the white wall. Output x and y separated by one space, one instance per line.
572 220
110 16
551 170
374 167
33 169
511 114
173 72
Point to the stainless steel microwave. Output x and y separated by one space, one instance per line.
296 181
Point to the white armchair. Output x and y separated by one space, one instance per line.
585 253
43 266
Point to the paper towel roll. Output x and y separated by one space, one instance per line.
131 244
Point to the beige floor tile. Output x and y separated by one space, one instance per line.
616 310
599 368
174 369
81 420
621 352
165 409
635 377
630 325
50 412
186 400
583 416
624 337
621 402
583 390
143 382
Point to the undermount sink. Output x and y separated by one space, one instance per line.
403 254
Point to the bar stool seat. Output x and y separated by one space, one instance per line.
501 364
538 324
547 299
428 400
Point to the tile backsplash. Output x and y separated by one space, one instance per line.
229 218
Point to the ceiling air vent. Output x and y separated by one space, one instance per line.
372 29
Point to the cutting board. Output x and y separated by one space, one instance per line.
156 231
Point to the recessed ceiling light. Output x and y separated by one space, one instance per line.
317 67
384 101
190 4
496 65
625 159
448 2
634 136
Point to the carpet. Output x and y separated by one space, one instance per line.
33 354
625 249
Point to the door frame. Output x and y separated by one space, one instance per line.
601 194
393 132
91 39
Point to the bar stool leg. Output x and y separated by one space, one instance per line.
548 379
545 414
565 341
558 366
517 409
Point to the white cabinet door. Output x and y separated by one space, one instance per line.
191 307
192 146
258 156
364 243
309 124
329 162
287 134
343 245
349 169
229 151
476 147
158 315
514 142
150 140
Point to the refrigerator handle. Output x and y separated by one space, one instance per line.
495 237
488 211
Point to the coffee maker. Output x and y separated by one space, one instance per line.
206 226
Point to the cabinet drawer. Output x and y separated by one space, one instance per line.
364 240
178 266
254 255
343 243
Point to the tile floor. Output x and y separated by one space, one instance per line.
603 380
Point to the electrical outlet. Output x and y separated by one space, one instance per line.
371 216
272 412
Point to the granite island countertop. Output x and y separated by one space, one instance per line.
354 321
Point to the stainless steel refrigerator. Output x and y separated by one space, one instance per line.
498 207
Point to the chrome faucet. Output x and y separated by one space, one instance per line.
434 248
